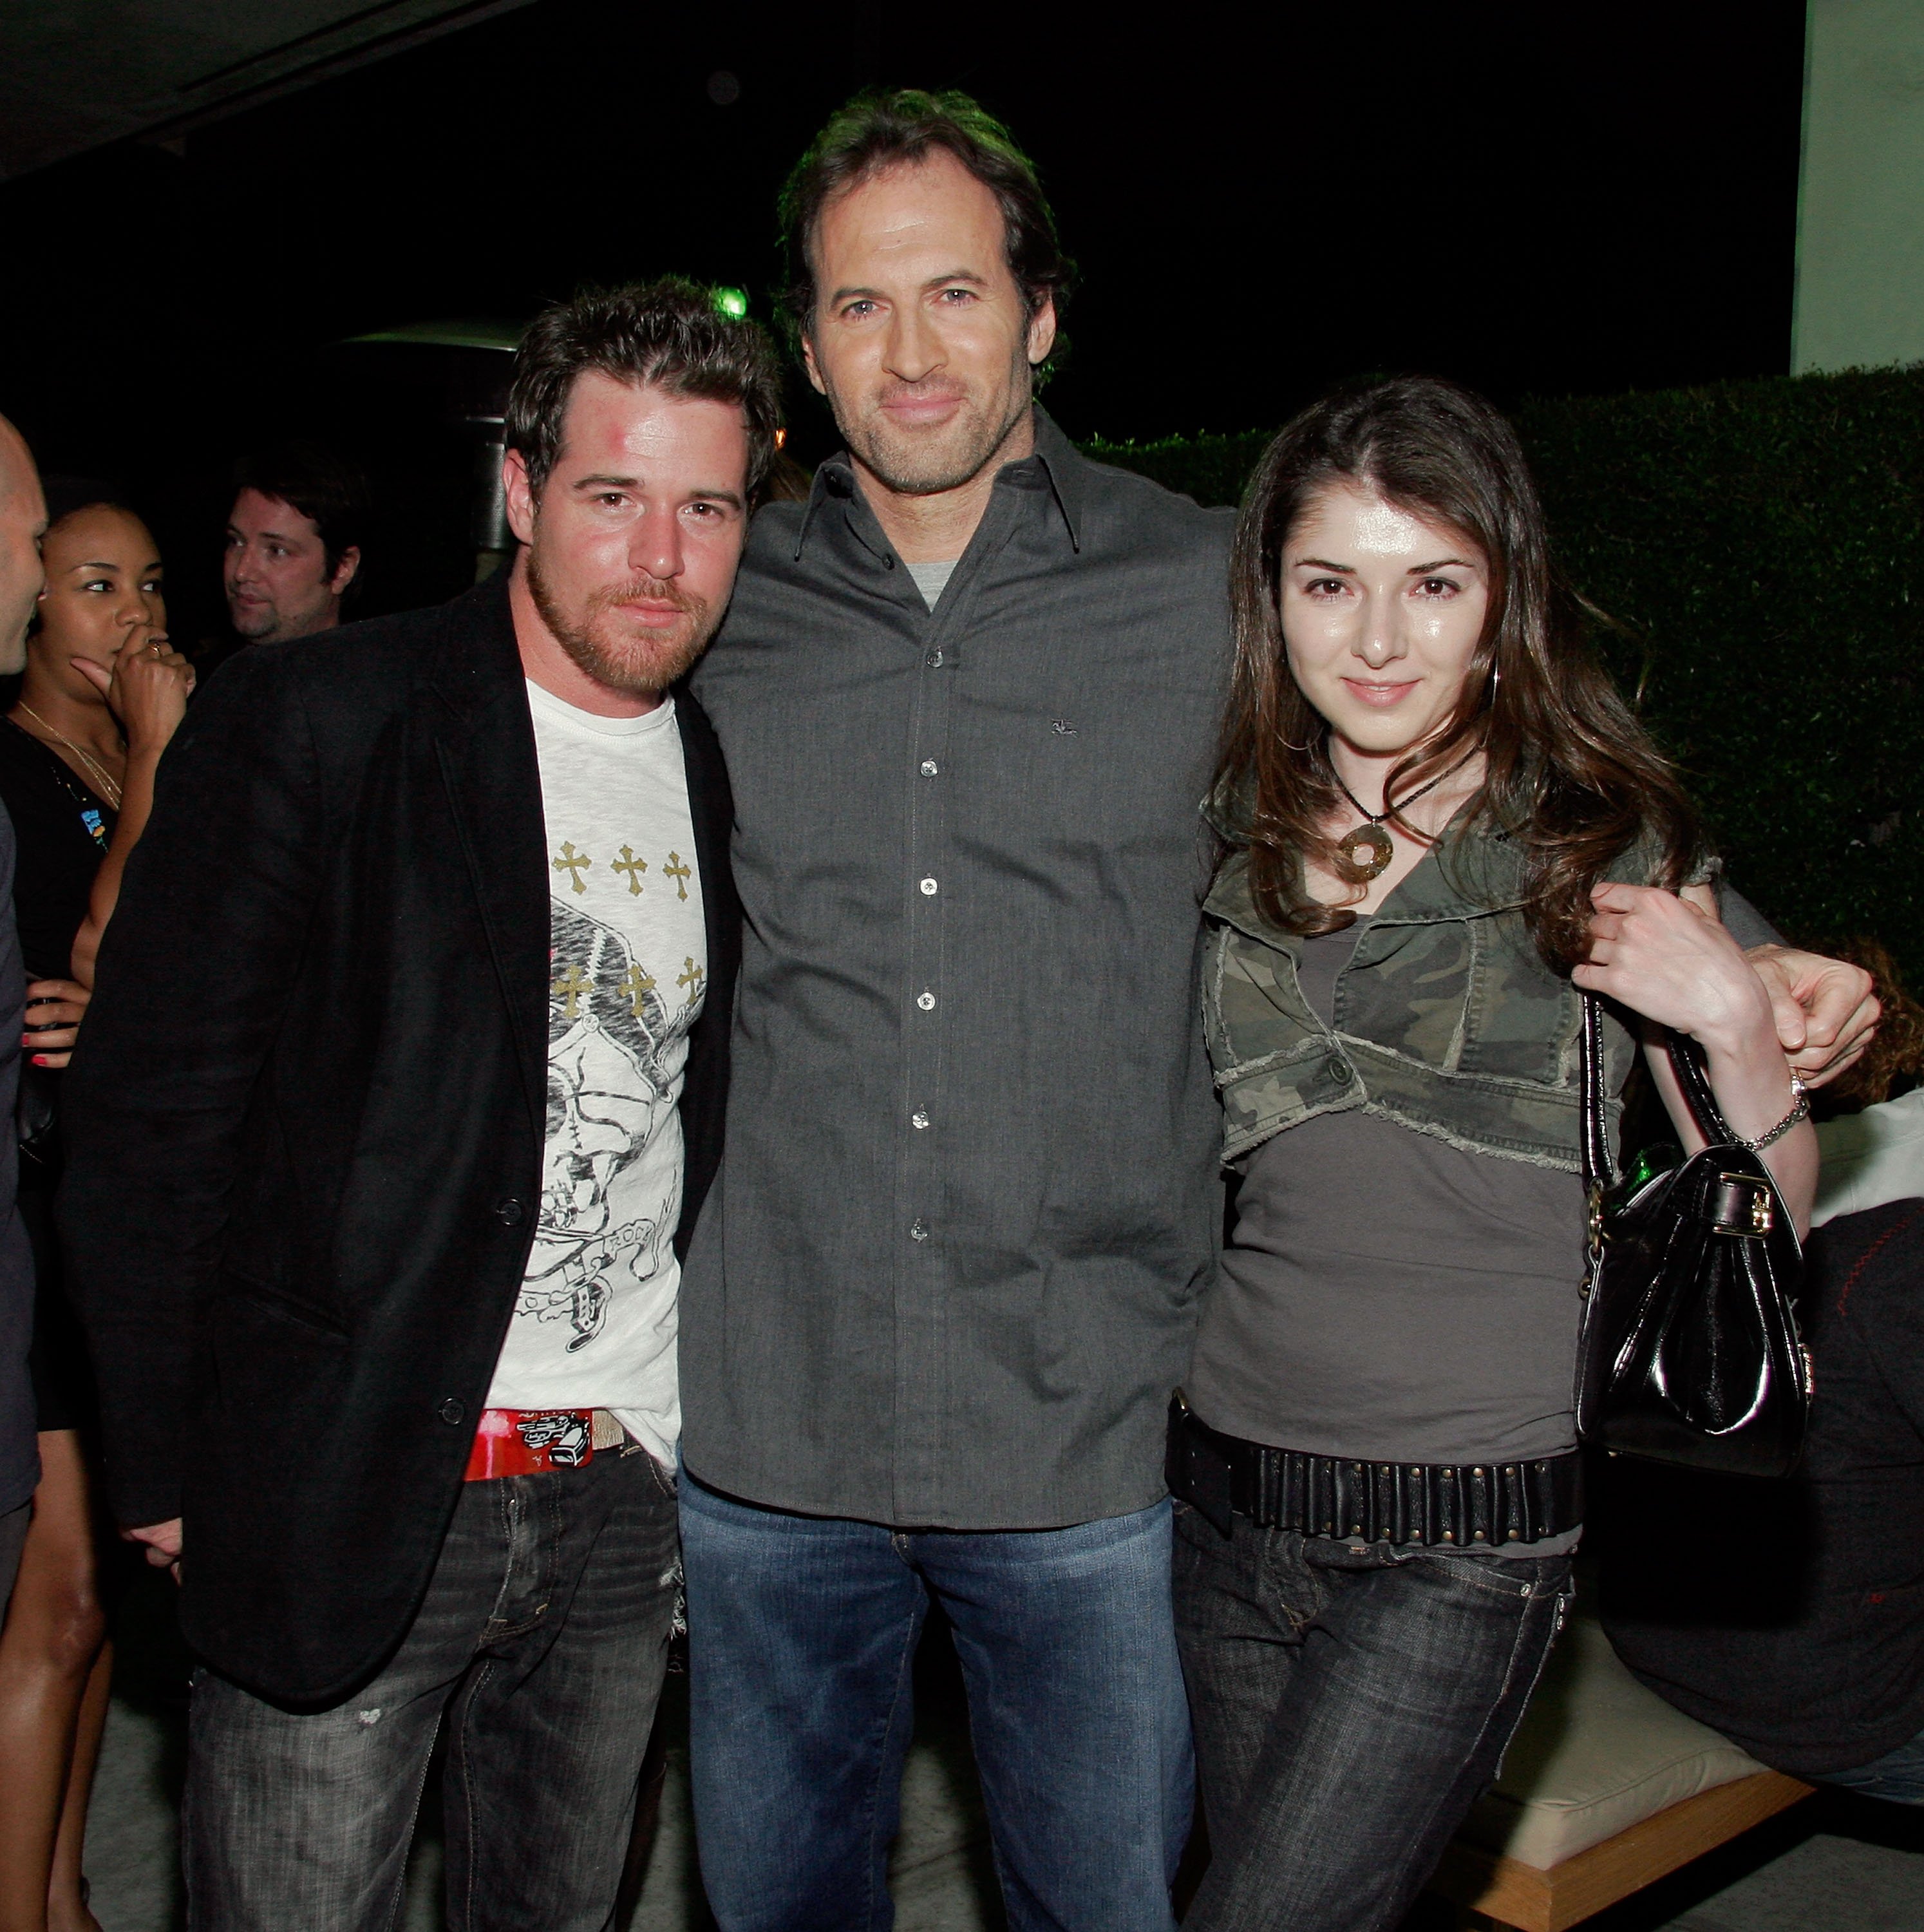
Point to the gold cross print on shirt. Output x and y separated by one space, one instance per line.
635 987
571 986
693 978
573 864
628 863
678 870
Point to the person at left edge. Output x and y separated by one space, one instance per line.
418 988
101 696
23 524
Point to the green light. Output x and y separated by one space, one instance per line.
732 302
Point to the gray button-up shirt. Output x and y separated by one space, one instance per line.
968 1199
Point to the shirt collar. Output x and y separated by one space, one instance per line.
1056 459
1067 469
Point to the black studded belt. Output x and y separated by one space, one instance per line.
1466 1505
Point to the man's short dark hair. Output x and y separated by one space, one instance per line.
326 488
900 127
669 333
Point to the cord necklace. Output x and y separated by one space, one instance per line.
1371 835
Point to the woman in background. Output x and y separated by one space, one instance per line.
1442 821
101 695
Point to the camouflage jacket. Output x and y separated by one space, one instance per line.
1446 1019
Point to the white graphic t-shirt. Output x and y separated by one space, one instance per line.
595 1325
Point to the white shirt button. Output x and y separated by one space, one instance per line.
927 1002
919 1231
928 888
928 768
919 1120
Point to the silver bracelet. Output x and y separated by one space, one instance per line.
1800 1111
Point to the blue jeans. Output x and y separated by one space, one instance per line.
1897 1776
1350 1705
542 1642
802 1630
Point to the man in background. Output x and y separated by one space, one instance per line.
294 539
22 520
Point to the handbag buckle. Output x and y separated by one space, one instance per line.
1742 1205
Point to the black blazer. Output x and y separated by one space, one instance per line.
305 1125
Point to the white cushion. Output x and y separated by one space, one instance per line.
1597 1753
1869 1157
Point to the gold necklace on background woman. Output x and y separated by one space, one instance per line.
102 780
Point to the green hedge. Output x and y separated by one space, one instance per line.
1763 544
1212 469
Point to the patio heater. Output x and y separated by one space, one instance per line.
463 368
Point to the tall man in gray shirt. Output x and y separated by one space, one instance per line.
968 694
929 1333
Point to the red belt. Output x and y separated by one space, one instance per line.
531 1441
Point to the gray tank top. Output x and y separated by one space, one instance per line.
1389 1296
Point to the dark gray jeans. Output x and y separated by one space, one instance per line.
1348 1708
542 1641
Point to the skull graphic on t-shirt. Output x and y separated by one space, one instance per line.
608 1029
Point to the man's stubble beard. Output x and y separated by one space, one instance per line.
912 466
273 626
267 624
645 667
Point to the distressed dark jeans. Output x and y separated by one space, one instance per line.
1348 1708
541 1642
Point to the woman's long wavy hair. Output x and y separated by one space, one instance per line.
1570 773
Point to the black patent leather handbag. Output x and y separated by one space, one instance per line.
1688 1351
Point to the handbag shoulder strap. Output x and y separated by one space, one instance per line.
1598 1168
1685 1056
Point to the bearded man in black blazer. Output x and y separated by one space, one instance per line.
399 1095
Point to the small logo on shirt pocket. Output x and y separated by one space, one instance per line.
1062 728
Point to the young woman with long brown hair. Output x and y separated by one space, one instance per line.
1439 822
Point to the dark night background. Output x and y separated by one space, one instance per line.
1532 200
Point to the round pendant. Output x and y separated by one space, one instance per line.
1366 851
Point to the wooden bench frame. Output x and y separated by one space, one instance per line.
1518 1895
